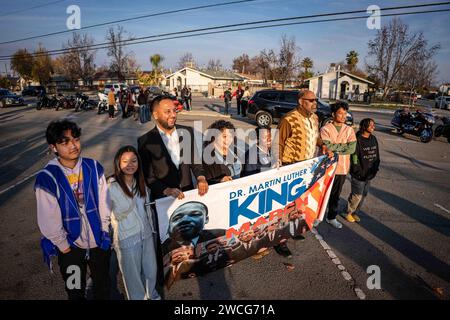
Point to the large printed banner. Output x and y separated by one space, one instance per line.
240 218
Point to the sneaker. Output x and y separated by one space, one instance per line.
335 223
356 217
283 250
349 217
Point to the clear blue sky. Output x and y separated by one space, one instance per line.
323 42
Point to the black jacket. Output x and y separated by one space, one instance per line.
365 162
159 170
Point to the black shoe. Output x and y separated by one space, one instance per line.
299 237
283 250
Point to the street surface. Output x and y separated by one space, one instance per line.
405 226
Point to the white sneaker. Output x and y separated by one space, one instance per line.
335 223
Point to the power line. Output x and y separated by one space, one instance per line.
261 27
35 7
104 45
130 19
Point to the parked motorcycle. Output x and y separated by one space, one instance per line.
418 123
443 129
83 102
45 101
102 103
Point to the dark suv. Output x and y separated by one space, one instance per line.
32 90
269 106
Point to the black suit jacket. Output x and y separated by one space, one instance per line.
159 170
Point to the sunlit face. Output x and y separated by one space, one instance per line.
371 127
129 163
225 139
265 137
340 116
69 148
165 114
308 102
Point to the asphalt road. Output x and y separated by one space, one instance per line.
405 225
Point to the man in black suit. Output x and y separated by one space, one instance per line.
169 154
272 236
247 246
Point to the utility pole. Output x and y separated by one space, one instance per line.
337 81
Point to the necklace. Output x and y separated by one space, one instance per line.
78 193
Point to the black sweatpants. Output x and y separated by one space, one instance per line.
335 194
98 263
238 106
111 111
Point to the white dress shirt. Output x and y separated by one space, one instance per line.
172 143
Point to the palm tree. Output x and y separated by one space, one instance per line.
306 64
156 60
352 60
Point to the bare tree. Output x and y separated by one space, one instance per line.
214 65
79 60
119 58
393 49
241 64
288 59
186 60
267 61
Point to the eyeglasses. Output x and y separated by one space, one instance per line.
311 100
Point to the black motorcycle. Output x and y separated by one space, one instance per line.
418 123
443 129
83 102
45 101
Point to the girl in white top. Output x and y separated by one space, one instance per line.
133 228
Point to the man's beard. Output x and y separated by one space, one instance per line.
165 124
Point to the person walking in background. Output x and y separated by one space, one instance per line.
133 226
239 93
341 139
247 97
190 97
227 99
123 98
142 100
111 103
364 165
185 97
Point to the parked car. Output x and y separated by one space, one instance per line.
7 98
269 106
33 90
116 86
442 102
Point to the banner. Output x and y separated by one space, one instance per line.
240 218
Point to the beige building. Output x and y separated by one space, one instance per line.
338 84
200 81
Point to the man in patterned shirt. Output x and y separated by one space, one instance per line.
298 138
